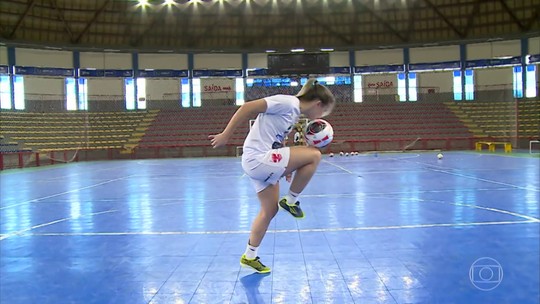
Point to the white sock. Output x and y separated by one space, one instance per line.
251 252
292 197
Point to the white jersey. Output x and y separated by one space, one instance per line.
272 127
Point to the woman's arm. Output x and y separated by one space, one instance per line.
245 112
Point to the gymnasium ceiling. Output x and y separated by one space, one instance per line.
259 25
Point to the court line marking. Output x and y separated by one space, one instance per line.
528 219
21 232
65 192
484 180
339 167
337 229
383 195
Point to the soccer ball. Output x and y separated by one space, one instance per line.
319 133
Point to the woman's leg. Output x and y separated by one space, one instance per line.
304 160
268 198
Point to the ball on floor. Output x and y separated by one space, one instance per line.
439 156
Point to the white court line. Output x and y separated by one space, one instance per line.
339 167
485 180
337 229
66 192
20 232
529 218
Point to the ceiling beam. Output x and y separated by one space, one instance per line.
444 18
534 18
60 13
471 17
94 18
327 28
512 15
412 19
194 40
21 18
159 18
382 21
354 24
269 29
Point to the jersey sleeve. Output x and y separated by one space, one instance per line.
279 104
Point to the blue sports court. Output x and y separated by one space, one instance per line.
111 190
379 228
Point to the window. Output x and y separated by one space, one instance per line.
328 80
401 87
530 75
458 90
18 88
83 94
71 96
196 92
130 94
357 88
469 85
185 92
239 87
5 92
518 82
141 93
413 90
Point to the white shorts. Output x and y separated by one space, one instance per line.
266 169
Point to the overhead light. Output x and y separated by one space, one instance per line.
270 51
165 51
143 2
298 50
169 2
327 50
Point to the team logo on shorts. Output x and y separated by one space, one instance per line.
276 157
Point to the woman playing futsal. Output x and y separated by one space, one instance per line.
265 159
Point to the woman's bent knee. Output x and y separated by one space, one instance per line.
316 155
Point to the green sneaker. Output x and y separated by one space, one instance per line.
255 264
294 210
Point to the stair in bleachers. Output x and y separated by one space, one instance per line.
466 119
529 119
9 146
136 136
501 119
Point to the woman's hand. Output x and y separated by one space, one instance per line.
218 140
